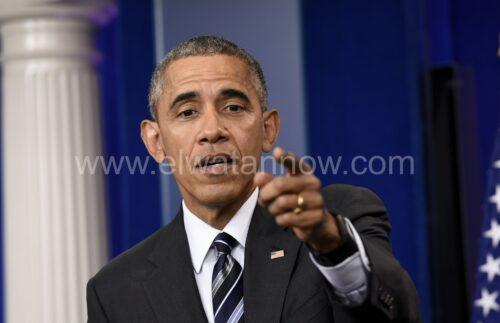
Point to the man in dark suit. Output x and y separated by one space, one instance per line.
246 246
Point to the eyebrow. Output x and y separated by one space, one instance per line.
184 97
224 93
233 93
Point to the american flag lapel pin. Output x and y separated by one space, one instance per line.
277 254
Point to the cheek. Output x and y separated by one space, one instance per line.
177 144
249 139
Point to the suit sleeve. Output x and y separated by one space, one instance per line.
392 297
95 311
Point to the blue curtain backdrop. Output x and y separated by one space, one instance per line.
128 47
363 66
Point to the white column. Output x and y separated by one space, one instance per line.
54 232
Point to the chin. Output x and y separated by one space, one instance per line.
221 193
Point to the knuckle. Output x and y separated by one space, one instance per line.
282 219
320 199
281 201
279 183
315 182
315 217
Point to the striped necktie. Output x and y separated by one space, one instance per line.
227 282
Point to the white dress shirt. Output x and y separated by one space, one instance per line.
349 278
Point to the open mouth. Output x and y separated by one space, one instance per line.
215 163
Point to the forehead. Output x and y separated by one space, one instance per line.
193 70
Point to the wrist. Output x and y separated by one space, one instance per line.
327 237
344 249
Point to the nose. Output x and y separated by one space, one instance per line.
212 128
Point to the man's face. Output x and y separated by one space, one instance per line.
211 123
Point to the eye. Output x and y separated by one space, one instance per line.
188 113
234 108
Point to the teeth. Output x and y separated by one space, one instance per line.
217 161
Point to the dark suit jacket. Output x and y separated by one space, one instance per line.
154 281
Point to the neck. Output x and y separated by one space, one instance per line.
218 215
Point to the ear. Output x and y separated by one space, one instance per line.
150 134
271 129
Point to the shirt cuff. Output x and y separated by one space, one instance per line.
349 278
362 252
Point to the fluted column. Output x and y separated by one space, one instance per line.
54 232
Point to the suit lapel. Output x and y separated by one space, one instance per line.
171 288
266 279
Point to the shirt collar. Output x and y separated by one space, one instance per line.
200 235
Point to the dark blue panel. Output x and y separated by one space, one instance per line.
465 33
439 32
134 199
362 65
476 44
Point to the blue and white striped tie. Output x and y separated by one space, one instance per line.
227 282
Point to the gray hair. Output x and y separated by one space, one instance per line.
204 46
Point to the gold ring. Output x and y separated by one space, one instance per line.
300 203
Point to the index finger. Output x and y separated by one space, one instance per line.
292 162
